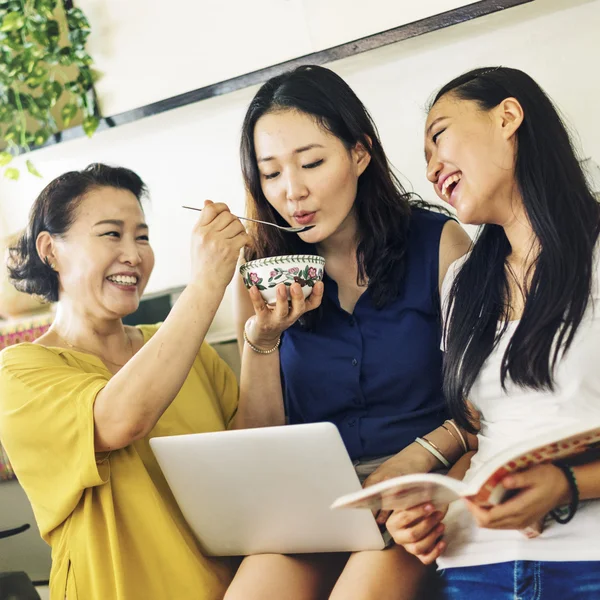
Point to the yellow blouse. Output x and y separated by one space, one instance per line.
115 529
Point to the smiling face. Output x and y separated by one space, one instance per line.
470 156
104 260
307 174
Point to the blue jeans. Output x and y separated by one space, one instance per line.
522 580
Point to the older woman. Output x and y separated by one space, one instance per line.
78 406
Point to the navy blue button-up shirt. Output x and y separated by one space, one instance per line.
375 373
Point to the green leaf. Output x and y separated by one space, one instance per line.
41 136
32 169
53 32
96 75
11 173
82 58
34 82
44 102
13 41
12 134
77 20
7 114
40 35
90 124
65 56
78 37
45 8
85 79
73 87
5 158
25 62
53 91
67 113
12 22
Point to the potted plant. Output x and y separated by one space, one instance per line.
46 80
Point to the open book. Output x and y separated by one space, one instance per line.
484 487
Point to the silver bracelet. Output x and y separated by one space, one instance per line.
429 447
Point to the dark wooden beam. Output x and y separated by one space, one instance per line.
391 36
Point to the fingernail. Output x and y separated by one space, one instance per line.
439 528
429 508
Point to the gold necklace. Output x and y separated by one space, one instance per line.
94 353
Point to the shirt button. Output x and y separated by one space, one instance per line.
351 422
351 321
354 362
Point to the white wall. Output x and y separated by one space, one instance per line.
148 50
191 153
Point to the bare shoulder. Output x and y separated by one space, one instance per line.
454 244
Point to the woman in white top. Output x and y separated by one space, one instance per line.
522 339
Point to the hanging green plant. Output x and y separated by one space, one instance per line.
46 80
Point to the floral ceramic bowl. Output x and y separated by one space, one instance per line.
267 273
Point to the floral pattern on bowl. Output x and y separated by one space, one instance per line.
267 273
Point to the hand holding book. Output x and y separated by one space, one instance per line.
513 490
485 487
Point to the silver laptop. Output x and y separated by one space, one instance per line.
254 491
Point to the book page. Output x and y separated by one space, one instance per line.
405 492
485 487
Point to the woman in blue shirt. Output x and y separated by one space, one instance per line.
368 358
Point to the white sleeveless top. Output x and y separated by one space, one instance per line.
515 415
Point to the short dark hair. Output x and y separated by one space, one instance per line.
383 206
54 212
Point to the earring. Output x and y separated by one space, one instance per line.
53 266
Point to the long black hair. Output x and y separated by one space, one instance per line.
382 205
565 218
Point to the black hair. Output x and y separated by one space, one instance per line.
54 211
382 205
565 218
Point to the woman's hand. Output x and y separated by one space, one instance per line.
412 459
217 239
269 322
539 490
419 529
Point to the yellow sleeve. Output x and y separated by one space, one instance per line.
223 380
47 429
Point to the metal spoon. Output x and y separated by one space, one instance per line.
288 229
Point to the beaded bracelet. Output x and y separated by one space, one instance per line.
260 350
557 514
